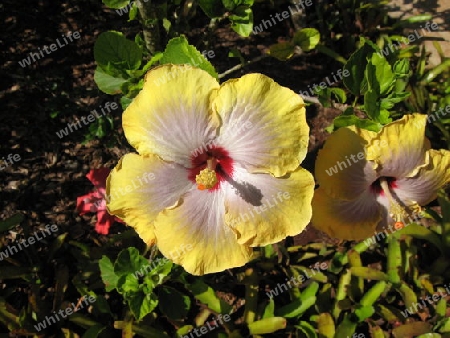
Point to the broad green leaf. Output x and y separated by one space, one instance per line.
242 21
179 51
282 51
212 8
125 102
356 65
383 72
307 38
128 284
116 3
142 304
173 303
107 83
401 67
109 277
113 48
372 104
159 272
345 121
369 125
129 261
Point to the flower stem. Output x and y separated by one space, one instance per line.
251 295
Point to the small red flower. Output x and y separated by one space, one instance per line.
95 201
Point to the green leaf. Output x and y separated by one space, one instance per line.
179 51
129 261
369 273
364 312
116 3
107 83
159 272
412 329
383 72
339 93
93 331
268 325
173 303
369 125
155 58
269 311
125 102
325 326
372 104
142 304
346 328
212 8
109 277
307 38
128 284
132 14
355 66
420 232
206 295
307 329
11 222
113 48
282 51
299 306
242 21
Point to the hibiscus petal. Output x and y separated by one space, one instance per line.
423 187
262 209
341 167
104 222
263 124
400 148
139 188
98 177
170 117
198 224
88 203
350 220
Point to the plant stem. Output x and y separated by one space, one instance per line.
150 25
251 295
237 67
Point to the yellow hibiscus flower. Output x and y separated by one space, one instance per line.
221 167
369 180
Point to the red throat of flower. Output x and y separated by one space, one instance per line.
210 168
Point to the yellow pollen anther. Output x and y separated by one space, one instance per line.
397 209
207 178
